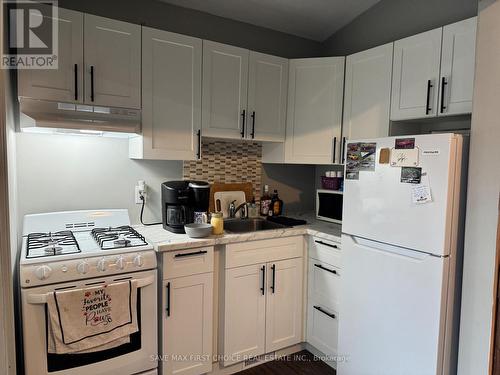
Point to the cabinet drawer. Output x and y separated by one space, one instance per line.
324 284
253 252
322 328
325 251
188 262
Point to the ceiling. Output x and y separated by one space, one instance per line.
312 19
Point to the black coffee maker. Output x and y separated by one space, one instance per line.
181 200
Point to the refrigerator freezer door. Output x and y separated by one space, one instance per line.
379 206
392 309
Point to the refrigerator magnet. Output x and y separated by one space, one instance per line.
367 153
411 175
404 143
404 157
421 193
385 155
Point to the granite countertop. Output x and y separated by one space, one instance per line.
164 240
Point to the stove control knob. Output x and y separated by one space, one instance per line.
120 262
82 268
102 265
43 272
138 261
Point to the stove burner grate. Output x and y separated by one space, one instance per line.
51 243
118 237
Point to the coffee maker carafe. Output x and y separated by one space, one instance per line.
180 201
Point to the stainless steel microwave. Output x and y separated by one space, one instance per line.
329 205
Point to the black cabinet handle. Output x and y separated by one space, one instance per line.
263 289
198 154
326 244
343 150
76 81
325 312
253 125
181 255
443 85
243 115
334 148
273 285
91 83
326 269
168 299
427 104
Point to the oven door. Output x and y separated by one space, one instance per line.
137 356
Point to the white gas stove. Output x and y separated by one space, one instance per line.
65 246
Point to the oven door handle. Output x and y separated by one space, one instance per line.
40 299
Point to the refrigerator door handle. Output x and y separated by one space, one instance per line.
383 247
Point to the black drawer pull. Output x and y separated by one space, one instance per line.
168 300
190 254
428 108
333 316
243 117
273 285
326 244
326 269
198 154
76 81
443 85
91 83
263 288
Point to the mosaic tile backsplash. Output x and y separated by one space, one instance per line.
227 162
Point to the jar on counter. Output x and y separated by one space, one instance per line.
217 223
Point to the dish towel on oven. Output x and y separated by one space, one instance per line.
92 319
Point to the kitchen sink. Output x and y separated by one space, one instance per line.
250 225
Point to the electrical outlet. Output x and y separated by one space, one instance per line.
140 190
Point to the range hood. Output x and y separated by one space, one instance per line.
37 115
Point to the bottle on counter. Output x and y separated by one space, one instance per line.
253 210
217 223
276 204
265 202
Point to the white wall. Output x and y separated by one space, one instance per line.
70 172
482 205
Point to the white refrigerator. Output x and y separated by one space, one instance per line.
401 255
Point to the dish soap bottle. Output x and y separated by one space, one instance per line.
265 202
276 204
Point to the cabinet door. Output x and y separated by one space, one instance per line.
171 92
244 312
367 94
66 82
225 82
415 84
187 330
112 62
284 304
314 112
267 95
457 67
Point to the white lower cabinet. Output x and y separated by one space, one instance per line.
261 308
284 304
323 293
187 304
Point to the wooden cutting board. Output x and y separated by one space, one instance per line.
245 187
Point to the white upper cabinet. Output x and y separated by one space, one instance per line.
457 67
367 93
314 112
112 62
66 82
171 95
225 89
415 83
267 96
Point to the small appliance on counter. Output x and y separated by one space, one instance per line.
182 201
329 205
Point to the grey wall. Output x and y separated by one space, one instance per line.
154 13
482 202
295 185
70 172
390 20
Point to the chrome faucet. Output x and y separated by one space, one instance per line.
233 210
